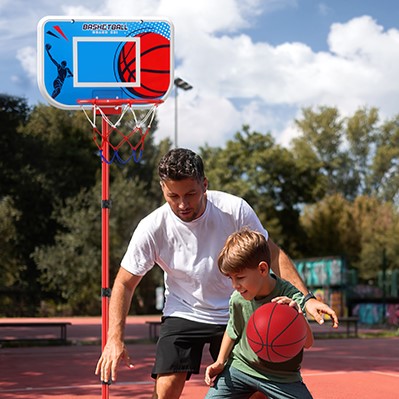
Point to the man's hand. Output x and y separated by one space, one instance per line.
108 363
317 309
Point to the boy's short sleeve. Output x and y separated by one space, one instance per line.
236 323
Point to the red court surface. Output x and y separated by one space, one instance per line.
332 369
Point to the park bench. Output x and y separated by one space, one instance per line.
36 324
153 329
347 326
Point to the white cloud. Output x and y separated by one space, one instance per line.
27 57
358 71
237 80
201 119
289 132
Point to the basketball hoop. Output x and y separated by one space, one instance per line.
121 69
131 141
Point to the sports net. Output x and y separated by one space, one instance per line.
125 141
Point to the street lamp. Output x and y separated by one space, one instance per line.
179 84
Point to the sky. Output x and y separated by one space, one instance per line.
252 62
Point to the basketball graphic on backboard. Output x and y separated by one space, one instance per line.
107 58
154 65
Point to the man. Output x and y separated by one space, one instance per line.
184 237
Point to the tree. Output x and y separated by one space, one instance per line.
358 230
14 153
51 165
71 267
12 266
385 166
266 175
321 140
50 162
361 134
354 156
13 113
378 222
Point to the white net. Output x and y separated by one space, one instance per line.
124 140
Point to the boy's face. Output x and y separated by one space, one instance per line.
186 198
252 283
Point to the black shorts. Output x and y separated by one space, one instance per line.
180 345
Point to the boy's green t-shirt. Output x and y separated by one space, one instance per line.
243 357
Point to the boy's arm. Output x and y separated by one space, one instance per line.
225 349
216 368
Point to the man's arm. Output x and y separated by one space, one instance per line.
114 351
283 267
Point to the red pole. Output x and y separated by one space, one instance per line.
105 206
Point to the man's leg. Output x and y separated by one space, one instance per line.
169 386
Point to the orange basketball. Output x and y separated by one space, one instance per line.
154 65
276 332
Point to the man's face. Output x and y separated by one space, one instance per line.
187 198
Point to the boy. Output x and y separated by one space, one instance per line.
245 259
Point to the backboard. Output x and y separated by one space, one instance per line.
104 58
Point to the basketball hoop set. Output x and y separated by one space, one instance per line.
108 65
108 68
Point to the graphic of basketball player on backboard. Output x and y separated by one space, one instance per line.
63 72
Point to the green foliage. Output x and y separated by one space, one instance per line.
47 164
384 170
254 167
50 177
321 140
354 156
72 266
334 191
359 230
357 161
11 264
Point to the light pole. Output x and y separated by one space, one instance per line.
179 84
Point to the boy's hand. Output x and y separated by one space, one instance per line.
284 300
212 372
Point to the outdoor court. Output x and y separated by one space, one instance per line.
333 369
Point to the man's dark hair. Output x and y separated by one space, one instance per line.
180 164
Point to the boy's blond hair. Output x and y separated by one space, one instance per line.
244 249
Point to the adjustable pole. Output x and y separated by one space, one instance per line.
112 107
105 205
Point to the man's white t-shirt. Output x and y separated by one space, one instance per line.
188 252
